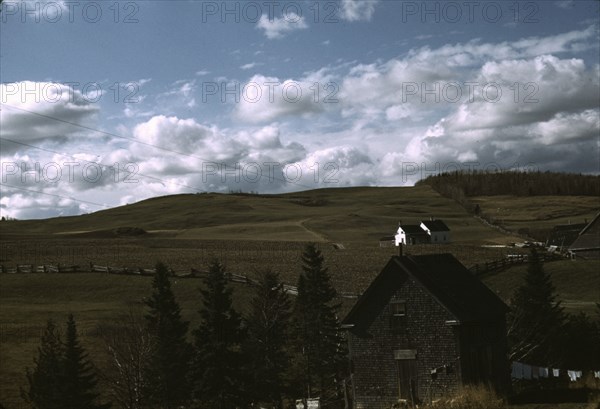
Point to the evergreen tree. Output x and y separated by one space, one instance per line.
267 340
580 342
218 362
167 370
44 391
78 378
318 339
536 318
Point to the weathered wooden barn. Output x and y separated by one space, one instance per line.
587 243
424 327
563 235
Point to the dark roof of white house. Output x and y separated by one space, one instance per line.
412 229
435 225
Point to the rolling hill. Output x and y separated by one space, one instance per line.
351 214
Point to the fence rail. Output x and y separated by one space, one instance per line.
31 268
511 260
477 269
104 269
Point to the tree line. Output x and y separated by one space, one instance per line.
279 351
516 183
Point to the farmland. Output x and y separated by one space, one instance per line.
248 233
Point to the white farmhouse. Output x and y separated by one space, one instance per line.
437 231
410 234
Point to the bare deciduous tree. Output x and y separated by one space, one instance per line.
129 346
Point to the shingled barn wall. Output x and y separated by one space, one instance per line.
423 329
483 355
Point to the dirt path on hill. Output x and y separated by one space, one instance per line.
321 237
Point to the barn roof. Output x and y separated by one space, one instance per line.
435 225
589 238
564 234
443 276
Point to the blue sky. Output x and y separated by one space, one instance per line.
107 103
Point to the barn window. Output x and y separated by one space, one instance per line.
398 308
398 315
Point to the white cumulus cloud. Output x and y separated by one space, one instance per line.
357 10
278 27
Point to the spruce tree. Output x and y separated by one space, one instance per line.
536 318
318 335
581 342
167 369
218 362
79 378
267 340
44 391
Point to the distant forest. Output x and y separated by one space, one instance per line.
480 183
462 185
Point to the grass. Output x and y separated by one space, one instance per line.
577 283
27 301
556 406
538 213
479 397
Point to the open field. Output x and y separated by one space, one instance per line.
248 233
27 301
539 213
577 283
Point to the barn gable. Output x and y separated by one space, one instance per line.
451 283
424 315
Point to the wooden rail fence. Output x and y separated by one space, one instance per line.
510 260
95 268
477 269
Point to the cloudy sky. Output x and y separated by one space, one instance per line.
106 103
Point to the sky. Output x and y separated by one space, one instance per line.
106 103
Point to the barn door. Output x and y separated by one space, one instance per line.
407 380
406 362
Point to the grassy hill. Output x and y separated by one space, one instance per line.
249 233
338 215
537 215
350 214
